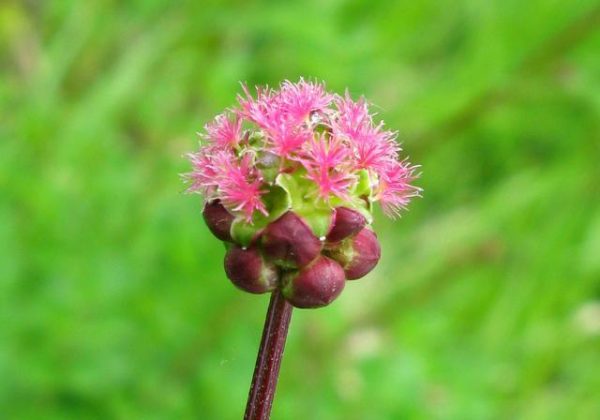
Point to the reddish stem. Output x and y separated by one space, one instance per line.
270 353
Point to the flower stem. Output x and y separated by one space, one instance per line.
270 353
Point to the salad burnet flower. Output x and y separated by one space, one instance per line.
289 178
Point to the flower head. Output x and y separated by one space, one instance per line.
290 176
300 130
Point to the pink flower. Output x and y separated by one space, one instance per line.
374 148
394 190
262 111
203 177
331 182
308 131
223 132
239 184
283 138
326 160
352 117
325 152
298 100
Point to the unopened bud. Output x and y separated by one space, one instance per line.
346 222
218 220
315 285
247 269
358 255
289 242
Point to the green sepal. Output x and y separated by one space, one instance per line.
318 219
293 184
256 138
269 173
315 212
269 165
363 184
243 232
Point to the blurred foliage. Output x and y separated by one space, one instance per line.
486 304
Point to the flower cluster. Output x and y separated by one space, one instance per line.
289 178
300 127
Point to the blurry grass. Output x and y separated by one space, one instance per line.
112 298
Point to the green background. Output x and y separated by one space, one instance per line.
486 303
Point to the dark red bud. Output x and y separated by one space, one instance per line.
247 269
315 285
357 255
289 241
346 222
218 220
